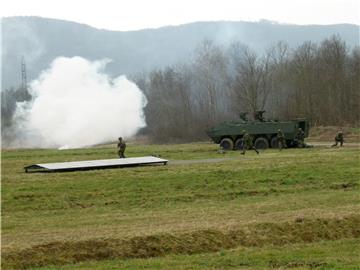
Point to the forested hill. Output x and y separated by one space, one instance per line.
41 40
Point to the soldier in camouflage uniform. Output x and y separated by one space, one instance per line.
247 143
300 137
281 139
339 138
121 147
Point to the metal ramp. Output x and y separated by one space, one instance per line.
95 164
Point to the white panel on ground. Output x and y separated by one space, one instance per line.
95 164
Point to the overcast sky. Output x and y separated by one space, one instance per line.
138 14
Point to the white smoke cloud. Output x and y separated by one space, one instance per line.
75 105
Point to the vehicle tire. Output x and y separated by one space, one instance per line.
227 144
261 143
274 143
239 144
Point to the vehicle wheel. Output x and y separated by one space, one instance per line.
239 143
261 143
227 144
274 143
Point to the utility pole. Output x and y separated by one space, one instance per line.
24 93
23 74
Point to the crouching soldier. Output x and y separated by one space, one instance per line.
121 147
300 137
339 138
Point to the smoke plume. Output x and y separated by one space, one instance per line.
75 105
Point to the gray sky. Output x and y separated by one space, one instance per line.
138 14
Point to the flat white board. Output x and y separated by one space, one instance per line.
102 163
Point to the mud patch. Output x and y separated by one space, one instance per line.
299 231
345 186
297 264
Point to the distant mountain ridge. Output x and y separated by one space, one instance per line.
41 40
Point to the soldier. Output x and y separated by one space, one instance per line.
258 115
121 147
247 143
243 116
339 138
281 139
299 138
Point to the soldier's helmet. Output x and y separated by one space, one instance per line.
300 129
279 130
120 138
243 131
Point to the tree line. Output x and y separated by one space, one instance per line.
320 82
9 98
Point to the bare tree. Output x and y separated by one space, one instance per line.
353 76
303 77
209 83
169 112
277 103
252 78
332 60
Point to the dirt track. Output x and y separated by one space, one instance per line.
328 144
215 160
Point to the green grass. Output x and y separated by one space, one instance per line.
355 130
341 254
235 193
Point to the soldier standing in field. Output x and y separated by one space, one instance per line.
339 138
300 137
247 143
121 147
281 139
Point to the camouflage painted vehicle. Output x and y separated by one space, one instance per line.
263 132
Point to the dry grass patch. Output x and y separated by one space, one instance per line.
299 231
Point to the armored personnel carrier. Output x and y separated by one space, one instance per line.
229 134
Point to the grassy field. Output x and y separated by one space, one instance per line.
298 209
